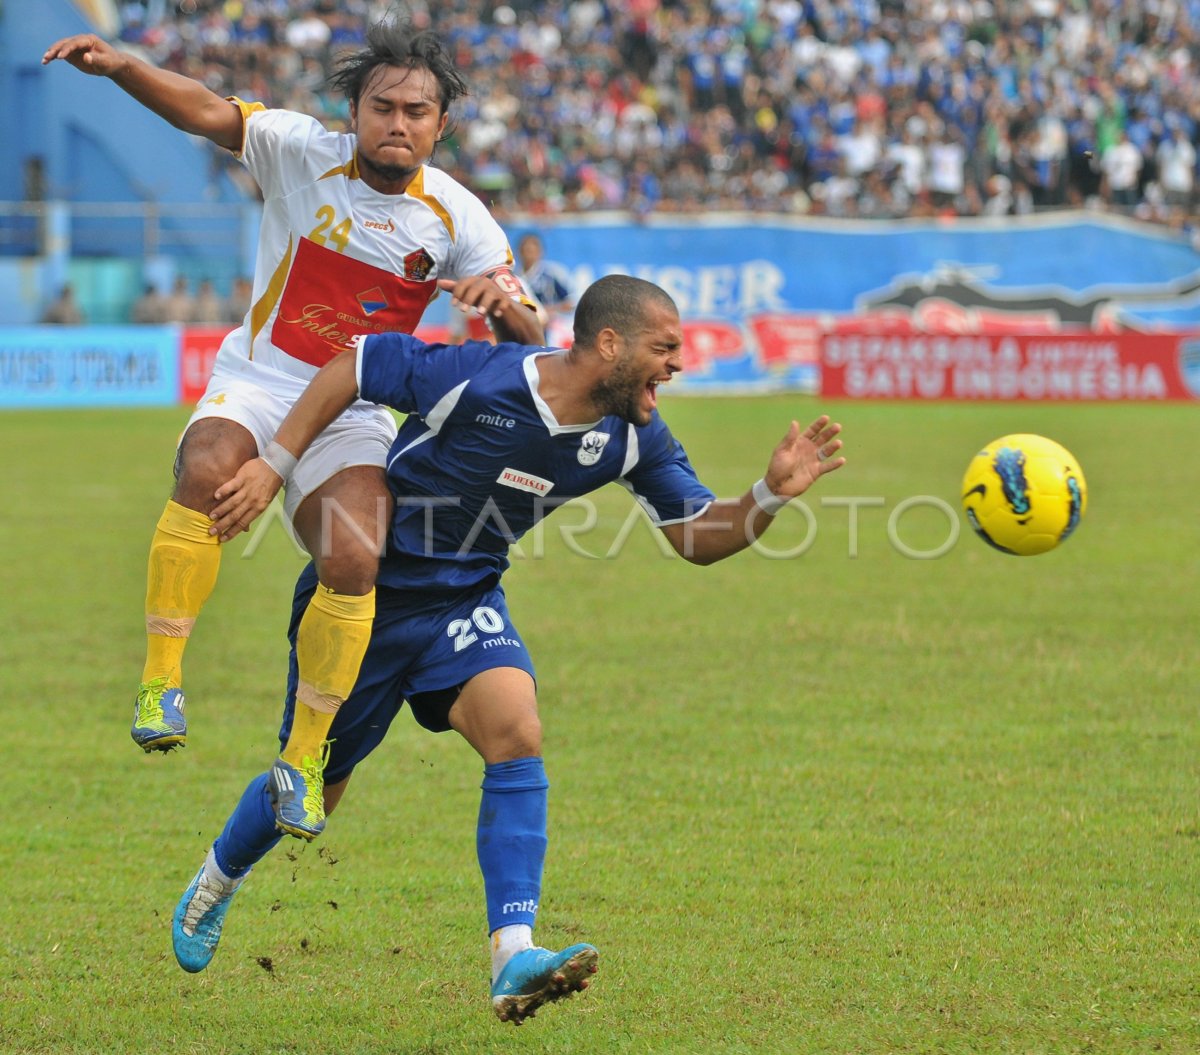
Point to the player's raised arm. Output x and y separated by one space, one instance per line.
250 491
725 528
185 103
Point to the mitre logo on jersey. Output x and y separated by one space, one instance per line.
591 447
417 266
535 485
372 300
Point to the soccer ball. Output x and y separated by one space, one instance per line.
1024 494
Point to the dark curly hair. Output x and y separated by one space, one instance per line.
397 42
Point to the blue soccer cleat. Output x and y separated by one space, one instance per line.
536 976
298 795
199 917
158 721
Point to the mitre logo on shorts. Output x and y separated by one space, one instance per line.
535 485
417 266
591 447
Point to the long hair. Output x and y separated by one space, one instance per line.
397 42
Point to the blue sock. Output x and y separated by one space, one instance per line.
250 832
511 840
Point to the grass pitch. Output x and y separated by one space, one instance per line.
842 800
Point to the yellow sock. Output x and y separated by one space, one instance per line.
310 728
184 560
330 646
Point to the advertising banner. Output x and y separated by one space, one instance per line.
1077 366
64 366
760 298
198 347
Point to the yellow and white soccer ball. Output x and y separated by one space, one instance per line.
1024 494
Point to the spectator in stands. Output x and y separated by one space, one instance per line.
1177 168
208 309
550 283
947 168
861 149
909 158
998 200
240 299
1121 165
63 311
150 308
178 304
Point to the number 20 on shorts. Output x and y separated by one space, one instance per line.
485 619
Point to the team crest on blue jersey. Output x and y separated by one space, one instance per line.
372 300
417 266
591 447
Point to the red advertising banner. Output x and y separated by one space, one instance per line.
198 347
1063 366
708 341
785 340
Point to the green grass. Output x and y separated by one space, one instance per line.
816 805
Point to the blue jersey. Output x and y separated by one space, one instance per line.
481 458
548 282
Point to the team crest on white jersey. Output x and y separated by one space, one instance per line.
591 447
417 265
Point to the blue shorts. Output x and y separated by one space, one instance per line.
424 647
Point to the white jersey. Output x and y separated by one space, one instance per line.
337 259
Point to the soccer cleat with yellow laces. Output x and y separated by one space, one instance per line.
158 722
298 795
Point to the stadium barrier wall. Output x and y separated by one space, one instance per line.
89 366
1063 306
52 366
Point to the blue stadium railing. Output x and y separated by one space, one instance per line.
108 251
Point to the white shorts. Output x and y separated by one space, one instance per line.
362 435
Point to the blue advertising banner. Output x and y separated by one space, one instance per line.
758 297
89 366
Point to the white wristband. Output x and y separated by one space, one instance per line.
280 459
766 499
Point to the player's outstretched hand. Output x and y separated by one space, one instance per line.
803 457
86 52
241 499
476 293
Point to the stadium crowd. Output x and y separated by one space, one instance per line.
859 108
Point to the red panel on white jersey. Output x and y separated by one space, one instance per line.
330 298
